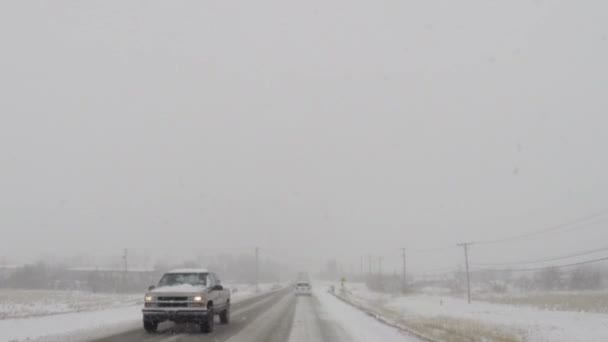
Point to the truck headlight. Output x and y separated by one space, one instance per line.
198 298
148 298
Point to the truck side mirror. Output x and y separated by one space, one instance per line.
151 287
217 288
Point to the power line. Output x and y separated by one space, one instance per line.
541 260
572 225
436 271
433 249
576 224
191 249
545 267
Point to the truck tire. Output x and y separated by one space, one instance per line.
207 325
225 315
150 326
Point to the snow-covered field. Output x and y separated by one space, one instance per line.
580 301
30 303
442 315
45 315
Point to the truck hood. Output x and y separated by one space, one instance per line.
178 289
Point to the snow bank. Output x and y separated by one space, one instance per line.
359 326
71 326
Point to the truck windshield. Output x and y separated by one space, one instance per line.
173 279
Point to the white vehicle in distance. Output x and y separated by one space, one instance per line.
303 288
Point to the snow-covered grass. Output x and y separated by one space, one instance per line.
29 303
452 329
47 315
448 318
586 301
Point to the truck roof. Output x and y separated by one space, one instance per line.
189 270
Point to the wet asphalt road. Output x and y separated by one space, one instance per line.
243 314
275 317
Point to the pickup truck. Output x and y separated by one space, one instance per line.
186 296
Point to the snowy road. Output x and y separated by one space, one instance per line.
280 317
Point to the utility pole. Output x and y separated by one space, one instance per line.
124 259
369 261
380 275
125 277
404 285
361 271
466 261
257 269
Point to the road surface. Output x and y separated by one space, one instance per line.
279 317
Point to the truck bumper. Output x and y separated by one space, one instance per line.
185 316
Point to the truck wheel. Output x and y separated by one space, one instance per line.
150 326
225 315
207 325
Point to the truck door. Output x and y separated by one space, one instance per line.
214 295
225 293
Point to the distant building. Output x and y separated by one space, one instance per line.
96 279
7 270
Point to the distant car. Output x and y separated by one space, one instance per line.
303 288
186 296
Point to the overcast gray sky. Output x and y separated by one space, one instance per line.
313 129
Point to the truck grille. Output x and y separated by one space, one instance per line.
173 299
172 305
